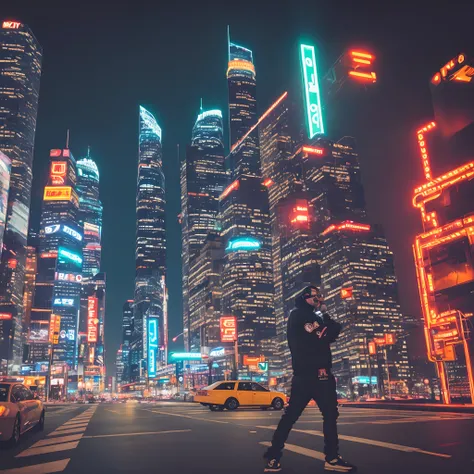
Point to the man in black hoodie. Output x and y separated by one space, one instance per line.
310 333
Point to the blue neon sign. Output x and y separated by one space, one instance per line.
71 256
243 243
152 346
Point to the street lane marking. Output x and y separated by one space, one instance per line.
45 468
56 440
372 442
47 449
187 416
136 434
311 453
417 419
63 431
113 411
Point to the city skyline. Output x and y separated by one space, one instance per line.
219 101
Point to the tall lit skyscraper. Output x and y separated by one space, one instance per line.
90 214
242 87
150 255
20 72
59 266
127 330
247 278
203 179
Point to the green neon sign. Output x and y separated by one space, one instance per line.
311 90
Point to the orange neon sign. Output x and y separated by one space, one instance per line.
424 149
371 76
347 225
313 150
57 193
11 25
232 187
268 182
260 120
58 172
346 293
228 328
5 316
372 347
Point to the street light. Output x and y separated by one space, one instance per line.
175 338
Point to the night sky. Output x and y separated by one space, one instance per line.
102 59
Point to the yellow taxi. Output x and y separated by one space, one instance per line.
232 394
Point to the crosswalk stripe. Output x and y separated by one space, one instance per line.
45 468
187 416
372 442
57 440
61 432
47 449
311 453
76 423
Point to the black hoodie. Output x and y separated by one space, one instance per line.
309 335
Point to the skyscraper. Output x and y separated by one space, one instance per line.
59 267
92 314
20 71
242 87
247 278
203 179
357 272
150 255
90 215
127 330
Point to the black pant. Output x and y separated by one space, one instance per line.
303 389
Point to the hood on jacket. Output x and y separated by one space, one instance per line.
300 300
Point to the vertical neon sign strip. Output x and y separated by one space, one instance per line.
152 346
312 93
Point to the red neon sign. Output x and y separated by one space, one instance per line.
5 316
228 327
268 182
58 172
424 150
371 76
347 225
360 63
232 187
313 150
346 293
372 348
55 153
11 25
92 321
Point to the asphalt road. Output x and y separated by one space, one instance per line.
187 438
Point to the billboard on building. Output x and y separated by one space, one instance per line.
5 169
152 346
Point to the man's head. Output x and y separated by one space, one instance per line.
312 295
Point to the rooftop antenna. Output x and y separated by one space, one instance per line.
89 151
201 106
67 139
228 42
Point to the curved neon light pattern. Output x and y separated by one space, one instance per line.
347 225
423 148
88 164
243 243
209 113
150 121
240 65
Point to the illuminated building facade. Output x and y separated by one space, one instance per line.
20 72
205 295
5 172
242 88
247 279
127 330
93 281
357 272
203 179
29 290
443 252
59 265
150 255
90 215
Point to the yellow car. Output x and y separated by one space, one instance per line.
232 394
